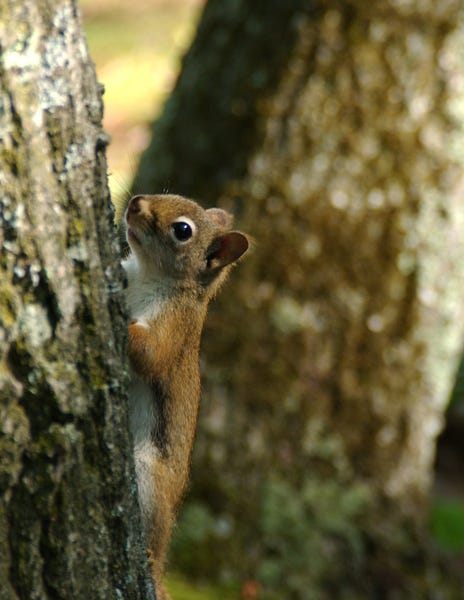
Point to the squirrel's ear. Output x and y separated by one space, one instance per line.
220 217
226 249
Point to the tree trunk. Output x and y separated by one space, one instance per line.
69 524
333 129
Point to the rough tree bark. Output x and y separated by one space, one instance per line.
334 129
69 524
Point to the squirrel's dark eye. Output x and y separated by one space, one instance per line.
182 230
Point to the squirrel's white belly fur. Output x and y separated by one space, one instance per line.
145 296
145 301
141 415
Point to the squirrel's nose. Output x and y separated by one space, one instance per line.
134 205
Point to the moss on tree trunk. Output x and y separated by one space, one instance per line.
69 524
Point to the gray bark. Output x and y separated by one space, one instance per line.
328 362
69 522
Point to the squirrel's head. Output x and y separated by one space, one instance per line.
175 238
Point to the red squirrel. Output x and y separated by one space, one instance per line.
180 255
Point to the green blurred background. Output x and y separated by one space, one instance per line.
137 48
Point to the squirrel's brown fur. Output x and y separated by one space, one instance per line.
181 253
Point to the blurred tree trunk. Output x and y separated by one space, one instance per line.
334 130
69 525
